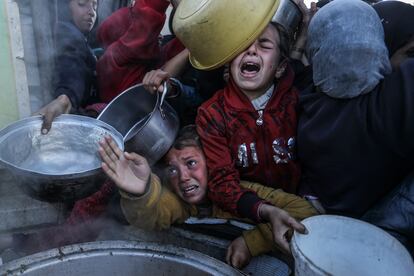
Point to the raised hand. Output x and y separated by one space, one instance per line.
282 225
153 80
129 171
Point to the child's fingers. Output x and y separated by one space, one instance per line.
107 159
109 172
235 260
117 151
136 158
108 151
297 226
283 244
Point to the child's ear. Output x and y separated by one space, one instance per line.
281 69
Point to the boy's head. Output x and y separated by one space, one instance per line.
84 14
255 69
186 169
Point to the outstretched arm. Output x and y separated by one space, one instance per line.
264 237
282 225
144 202
154 79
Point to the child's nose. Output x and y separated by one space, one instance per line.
91 10
184 175
252 50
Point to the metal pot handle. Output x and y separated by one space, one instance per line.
164 92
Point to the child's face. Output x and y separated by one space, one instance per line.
83 14
254 69
187 174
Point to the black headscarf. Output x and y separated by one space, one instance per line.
398 21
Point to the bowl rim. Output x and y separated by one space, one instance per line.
9 129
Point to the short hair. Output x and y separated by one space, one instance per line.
187 137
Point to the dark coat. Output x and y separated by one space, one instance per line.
354 151
75 65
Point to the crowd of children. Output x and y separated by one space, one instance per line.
263 143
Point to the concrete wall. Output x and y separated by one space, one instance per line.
14 100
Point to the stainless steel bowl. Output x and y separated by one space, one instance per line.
63 165
148 123
125 258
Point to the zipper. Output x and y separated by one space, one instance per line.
259 120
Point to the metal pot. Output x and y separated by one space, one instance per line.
338 245
288 15
148 124
63 165
117 258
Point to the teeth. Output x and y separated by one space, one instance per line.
189 189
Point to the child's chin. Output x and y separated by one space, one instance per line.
196 199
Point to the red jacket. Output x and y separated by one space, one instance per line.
132 46
228 125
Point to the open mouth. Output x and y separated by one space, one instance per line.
189 190
249 68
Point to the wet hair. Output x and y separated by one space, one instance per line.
187 137
284 39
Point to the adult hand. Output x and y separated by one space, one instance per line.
129 171
282 225
153 80
306 13
298 48
238 254
60 105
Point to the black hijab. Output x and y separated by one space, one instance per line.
398 21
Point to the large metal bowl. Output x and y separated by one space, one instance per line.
126 258
63 165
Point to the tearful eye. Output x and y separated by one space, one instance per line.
171 171
191 163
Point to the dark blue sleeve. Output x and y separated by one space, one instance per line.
74 65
